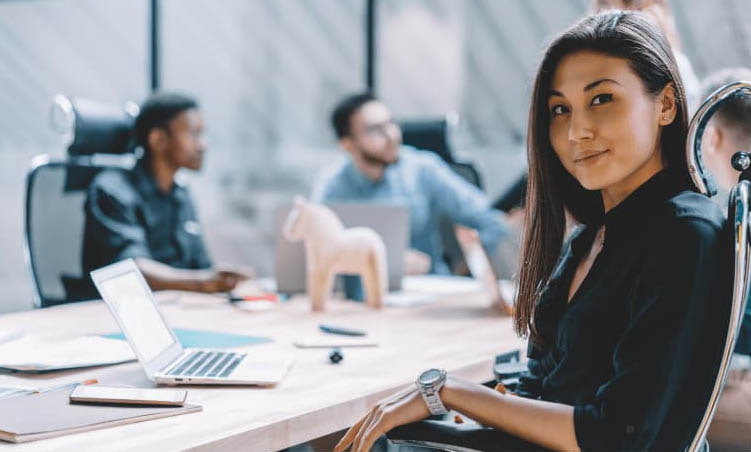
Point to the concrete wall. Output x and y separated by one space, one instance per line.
267 73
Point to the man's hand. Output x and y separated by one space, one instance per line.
222 280
416 262
479 266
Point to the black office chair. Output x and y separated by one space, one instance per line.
430 134
515 196
96 136
433 135
434 435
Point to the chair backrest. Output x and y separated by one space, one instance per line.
428 134
514 196
468 172
54 229
55 197
738 217
96 136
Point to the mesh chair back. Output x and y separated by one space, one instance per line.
55 196
54 231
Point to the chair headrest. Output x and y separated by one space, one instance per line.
701 177
89 127
429 134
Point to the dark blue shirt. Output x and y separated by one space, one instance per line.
636 350
128 216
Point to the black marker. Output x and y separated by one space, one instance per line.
331 329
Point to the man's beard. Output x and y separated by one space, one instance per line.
375 159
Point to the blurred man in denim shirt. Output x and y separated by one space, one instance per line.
379 168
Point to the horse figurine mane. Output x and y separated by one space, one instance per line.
331 249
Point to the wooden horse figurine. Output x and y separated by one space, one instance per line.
331 249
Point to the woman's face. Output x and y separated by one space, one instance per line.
604 125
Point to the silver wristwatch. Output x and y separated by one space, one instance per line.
430 383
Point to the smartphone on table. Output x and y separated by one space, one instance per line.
128 396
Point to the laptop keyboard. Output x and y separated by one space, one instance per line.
207 364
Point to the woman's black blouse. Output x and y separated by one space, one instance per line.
637 348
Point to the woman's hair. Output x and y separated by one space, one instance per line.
552 190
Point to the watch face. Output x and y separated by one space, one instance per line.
429 377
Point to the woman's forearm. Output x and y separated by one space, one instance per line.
545 423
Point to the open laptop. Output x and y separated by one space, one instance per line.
390 221
129 298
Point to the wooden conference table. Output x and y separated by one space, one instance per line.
456 331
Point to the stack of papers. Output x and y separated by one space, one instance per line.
36 353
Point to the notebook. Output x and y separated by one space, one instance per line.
50 414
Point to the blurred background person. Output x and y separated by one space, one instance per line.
147 214
380 168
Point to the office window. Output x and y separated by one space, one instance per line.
472 58
86 48
267 74
478 58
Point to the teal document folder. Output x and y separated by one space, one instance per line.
208 339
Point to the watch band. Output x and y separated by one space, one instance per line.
431 396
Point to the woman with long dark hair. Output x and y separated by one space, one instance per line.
623 317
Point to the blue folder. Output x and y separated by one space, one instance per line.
207 339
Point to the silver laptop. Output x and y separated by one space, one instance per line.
390 221
129 298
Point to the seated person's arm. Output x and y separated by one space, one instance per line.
118 234
666 348
481 268
545 423
465 204
163 277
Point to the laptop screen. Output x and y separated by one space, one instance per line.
141 321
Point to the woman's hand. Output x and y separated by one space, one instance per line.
402 408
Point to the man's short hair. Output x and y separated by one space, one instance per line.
735 113
157 111
344 111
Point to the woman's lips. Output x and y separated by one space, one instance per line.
590 158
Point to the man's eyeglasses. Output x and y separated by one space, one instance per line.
383 129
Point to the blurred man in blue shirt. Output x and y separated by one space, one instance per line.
380 168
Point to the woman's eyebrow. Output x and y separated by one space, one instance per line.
597 82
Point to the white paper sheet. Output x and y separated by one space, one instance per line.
32 353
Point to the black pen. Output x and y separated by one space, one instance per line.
331 329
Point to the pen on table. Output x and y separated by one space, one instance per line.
260 297
91 381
